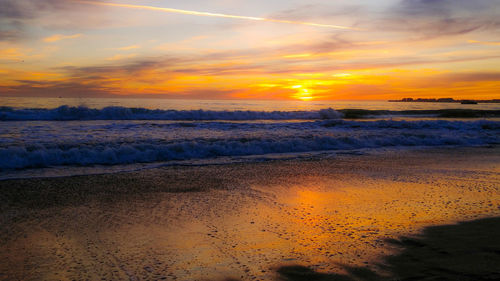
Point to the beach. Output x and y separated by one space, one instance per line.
386 214
249 140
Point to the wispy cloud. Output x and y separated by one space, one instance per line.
487 43
471 77
154 77
55 89
436 18
121 57
26 9
311 11
17 15
17 55
11 54
127 48
59 37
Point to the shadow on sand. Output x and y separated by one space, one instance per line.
465 251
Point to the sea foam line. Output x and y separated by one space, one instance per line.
66 113
113 153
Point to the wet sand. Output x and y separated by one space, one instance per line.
386 215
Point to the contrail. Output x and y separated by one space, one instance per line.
205 14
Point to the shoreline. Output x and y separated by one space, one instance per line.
244 221
99 170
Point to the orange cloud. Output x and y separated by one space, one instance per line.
289 72
488 43
144 79
121 57
59 37
11 53
127 48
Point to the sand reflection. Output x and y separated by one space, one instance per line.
253 221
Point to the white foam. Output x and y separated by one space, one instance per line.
49 143
123 113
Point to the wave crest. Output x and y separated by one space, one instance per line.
67 113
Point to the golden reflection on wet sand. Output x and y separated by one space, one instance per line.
246 221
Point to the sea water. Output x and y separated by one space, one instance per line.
52 137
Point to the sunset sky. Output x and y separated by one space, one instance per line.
259 49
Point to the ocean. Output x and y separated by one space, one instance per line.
60 136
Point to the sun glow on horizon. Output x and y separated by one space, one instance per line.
302 94
119 48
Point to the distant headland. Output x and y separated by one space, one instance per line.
446 100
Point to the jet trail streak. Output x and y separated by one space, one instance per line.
206 14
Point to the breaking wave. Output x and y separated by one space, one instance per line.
85 143
67 113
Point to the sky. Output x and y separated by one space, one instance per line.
259 49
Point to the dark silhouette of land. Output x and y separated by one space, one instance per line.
465 251
444 113
449 100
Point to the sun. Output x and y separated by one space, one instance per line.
302 93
